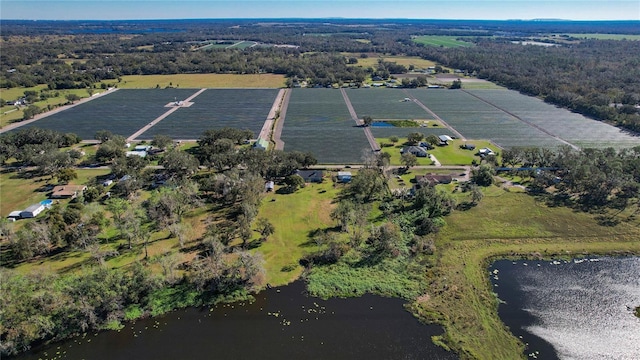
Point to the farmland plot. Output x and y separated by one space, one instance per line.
478 120
318 121
572 127
122 112
215 109
385 104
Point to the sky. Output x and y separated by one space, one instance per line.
412 9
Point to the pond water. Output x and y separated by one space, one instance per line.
579 309
282 323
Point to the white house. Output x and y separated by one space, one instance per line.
32 211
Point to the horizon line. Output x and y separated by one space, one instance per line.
331 18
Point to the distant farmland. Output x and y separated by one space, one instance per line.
123 112
437 40
318 121
217 108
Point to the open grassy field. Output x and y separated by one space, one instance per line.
439 40
504 224
201 81
294 217
606 36
372 61
9 114
318 121
452 154
16 192
217 108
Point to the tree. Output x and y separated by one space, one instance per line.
367 121
409 160
65 175
476 194
483 175
30 112
72 98
103 135
386 239
394 139
415 137
179 164
293 182
118 207
456 84
264 227
161 141
432 139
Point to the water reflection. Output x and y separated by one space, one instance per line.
580 309
281 324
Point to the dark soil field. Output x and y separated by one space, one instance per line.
215 109
122 112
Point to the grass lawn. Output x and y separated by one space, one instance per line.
443 41
18 193
294 216
446 155
400 60
452 154
7 115
504 224
201 81
606 36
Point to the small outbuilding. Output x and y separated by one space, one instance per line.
444 139
14 215
468 146
269 186
261 144
344 176
32 211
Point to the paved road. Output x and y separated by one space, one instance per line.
163 116
277 130
367 131
55 111
267 129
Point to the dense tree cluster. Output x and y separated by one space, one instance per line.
591 178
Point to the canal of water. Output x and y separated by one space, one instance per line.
283 323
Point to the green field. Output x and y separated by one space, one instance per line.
17 192
372 61
442 41
635 37
198 81
294 216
